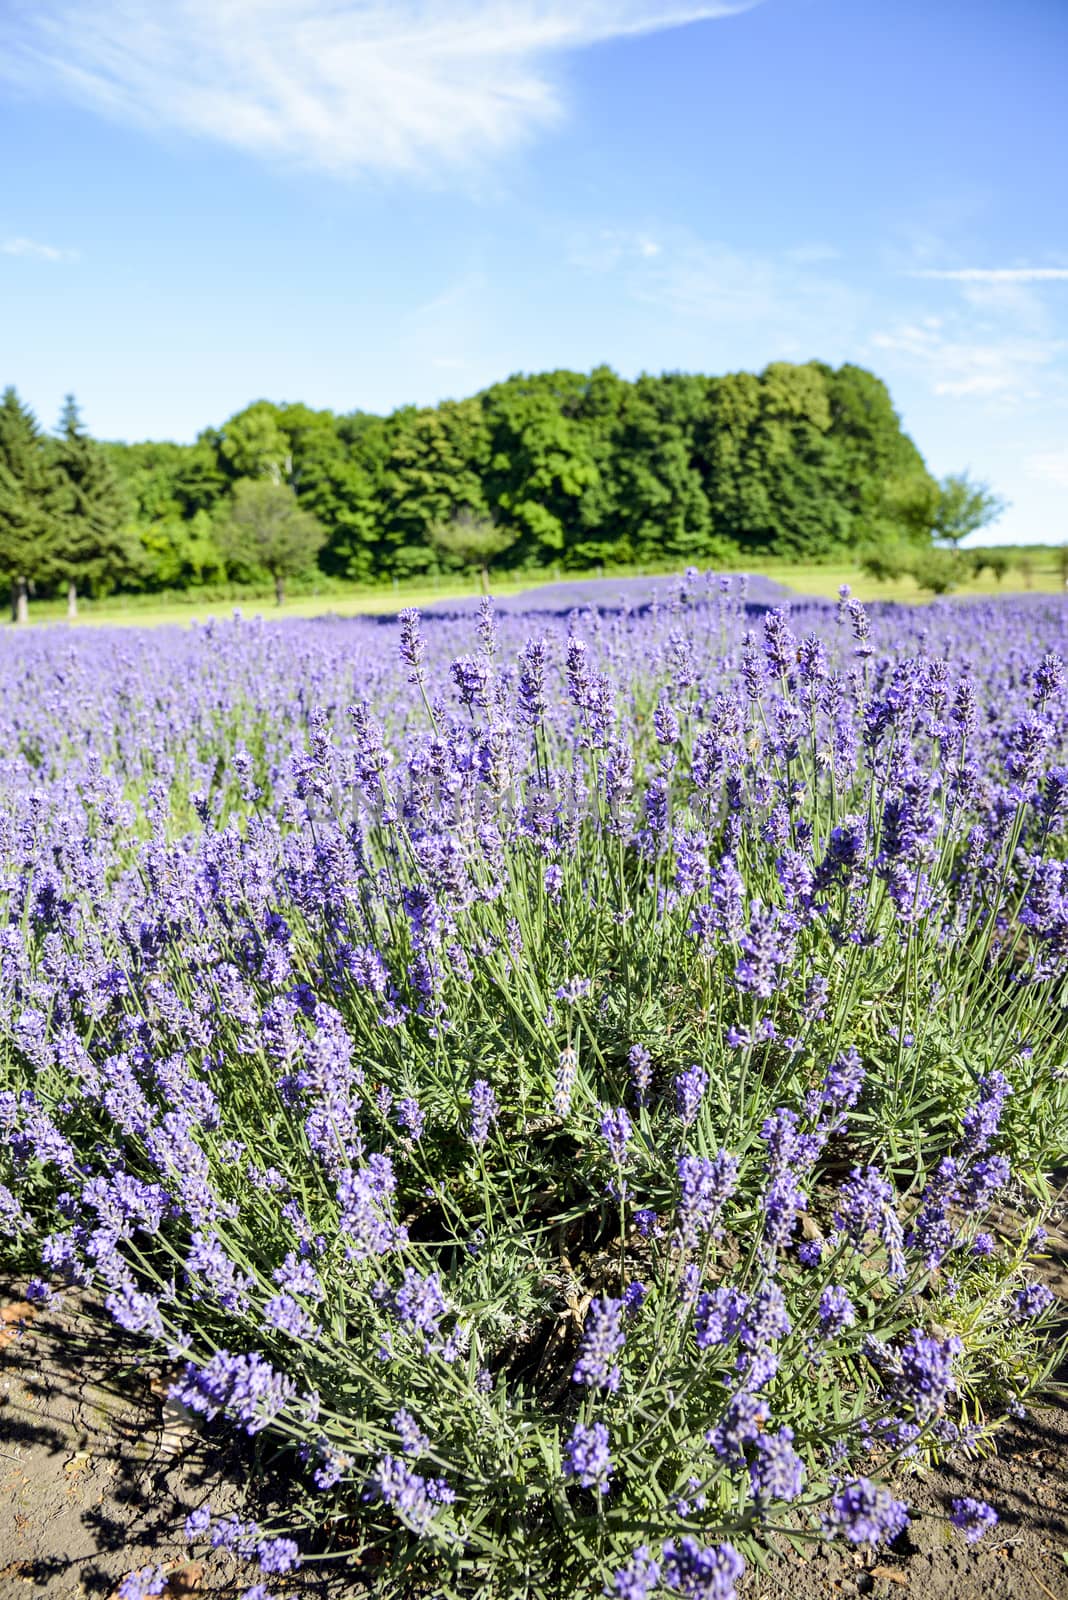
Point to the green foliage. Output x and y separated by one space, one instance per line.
939 571
27 499
92 546
253 444
471 540
963 507
267 529
993 560
800 462
887 562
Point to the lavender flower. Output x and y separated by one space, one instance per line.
587 1458
690 1087
719 1315
1033 1300
410 1117
705 1184
776 1471
638 1579
602 1338
641 1073
418 1304
972 1517
574 990
616 1129
866 1205
142 1584
197 1523
767 946
841 1085
414 1442
565 1081
702 1573
836 1311
246 1386
864 1513
412 646
415 1500
634 1296
741 1424
484 1111
278 1555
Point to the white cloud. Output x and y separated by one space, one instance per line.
793 311
609 248
1002 367
346 85
1049 466
997 274
33 250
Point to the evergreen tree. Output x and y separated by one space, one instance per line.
26 500
92 546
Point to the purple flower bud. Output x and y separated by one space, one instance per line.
972 1517
587 1458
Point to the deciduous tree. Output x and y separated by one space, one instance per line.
267 529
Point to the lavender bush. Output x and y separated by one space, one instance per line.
584 1086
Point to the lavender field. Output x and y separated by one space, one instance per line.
586 1087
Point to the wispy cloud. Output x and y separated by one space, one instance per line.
996 274
999 340
34 250
346 85
789 303
1049 466
1002 368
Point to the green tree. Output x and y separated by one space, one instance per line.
775 469
991 559
472 540
27 500
887 560
660 507
543 462
434 469
179 554
336 467
882 481
267 529
939 571
92 544
963 507
253 444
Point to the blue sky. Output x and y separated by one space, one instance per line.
363 203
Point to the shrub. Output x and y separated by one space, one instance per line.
553 1082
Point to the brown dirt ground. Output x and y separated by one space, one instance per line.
97 1472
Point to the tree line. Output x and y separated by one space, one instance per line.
803 462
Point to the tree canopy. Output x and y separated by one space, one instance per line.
567 469
267 529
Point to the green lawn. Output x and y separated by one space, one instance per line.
803 578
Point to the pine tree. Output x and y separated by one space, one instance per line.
92 547
26 500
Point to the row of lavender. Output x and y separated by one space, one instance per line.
556 1075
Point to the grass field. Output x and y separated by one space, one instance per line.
804 578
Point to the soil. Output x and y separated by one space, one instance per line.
98 1471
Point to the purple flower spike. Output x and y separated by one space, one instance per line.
602 1338
972 1517
587 1458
